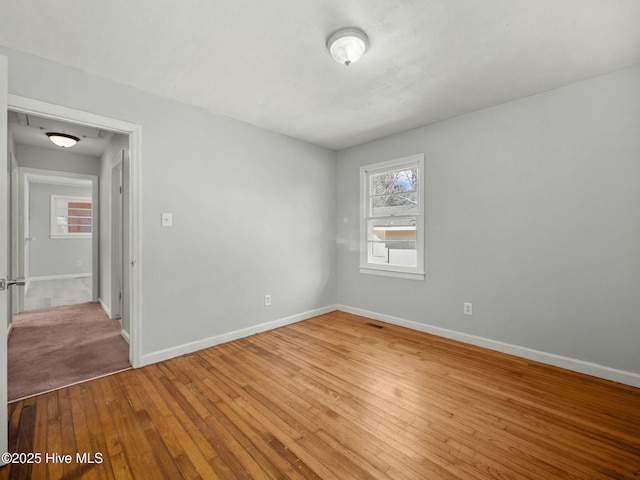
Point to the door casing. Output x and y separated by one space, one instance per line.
48 110
5 246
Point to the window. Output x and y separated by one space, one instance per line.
70 217
391 223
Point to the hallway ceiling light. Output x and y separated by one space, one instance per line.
347 45
62 139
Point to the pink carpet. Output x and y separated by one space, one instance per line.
56 347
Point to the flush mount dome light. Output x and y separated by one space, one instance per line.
347 45
62 139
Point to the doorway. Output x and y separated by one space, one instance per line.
55 249
62 328
129 278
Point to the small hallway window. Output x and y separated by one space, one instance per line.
71 217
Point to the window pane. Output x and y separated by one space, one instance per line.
395 204
392 242
79 217
72 216
397 181
60 226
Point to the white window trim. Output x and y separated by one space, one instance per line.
53 217
413 273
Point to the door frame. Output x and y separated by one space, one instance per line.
117 240
16 294
5 296
58 112
27 176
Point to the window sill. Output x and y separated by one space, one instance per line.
392 273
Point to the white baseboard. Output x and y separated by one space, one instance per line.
588 368
191 347
9 328
105 307
59 277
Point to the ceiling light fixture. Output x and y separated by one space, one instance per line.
62 139
347 45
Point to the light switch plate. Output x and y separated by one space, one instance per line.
167 220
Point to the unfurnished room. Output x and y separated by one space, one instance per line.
320 240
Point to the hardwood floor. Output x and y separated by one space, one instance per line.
335 397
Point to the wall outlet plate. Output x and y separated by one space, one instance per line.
267 300
468 308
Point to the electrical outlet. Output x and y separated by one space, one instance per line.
468 308
267 300
167 220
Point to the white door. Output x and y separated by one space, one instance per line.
116 241
24 254
5 303
17 295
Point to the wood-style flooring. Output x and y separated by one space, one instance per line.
334 397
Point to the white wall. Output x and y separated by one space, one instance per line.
253 211
52 257
57 160
531 215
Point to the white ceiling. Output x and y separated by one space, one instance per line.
266 62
